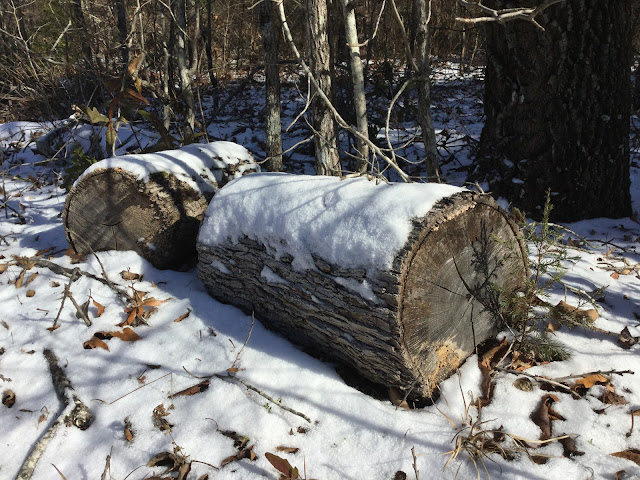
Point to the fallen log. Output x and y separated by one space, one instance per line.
399 281
150 203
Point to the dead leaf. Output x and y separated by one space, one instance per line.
569 447
200 387
74 256
563 308
610 397
183 316
164 459
84 309
152 302
632 454
4 324
128 430
8 398
524 384
31 293
31 278
239 441
620 475
396 397
94 342
3 267
158 419
127 275
126 335
626 339
232 370
284 449
55 284
615 275
100 308
543 416
242 454
400 475
53 328
282 465
589 381
20 279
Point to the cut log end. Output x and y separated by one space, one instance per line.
111 209
467 257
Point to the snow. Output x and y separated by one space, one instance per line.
195 164
355 223
352 435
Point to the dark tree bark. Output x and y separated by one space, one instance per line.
325 135
123 32
557 105
273 126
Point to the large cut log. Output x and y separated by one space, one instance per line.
398 281
151 203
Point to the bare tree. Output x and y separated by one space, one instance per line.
357 77
273 126
187 64
325 132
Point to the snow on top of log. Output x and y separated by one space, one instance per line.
352 223
198 164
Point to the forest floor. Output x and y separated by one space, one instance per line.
169 394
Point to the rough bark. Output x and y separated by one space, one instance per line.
325 135
123 32
357 78
111 209
429 310
421 53
184 67
273 126
557 109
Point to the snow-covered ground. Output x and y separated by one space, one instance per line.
133 388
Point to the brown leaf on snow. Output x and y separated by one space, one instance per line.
282 465
183 316
128 430
610 397
126 335
615 275
4 324
632 454
242 454
200 387
396 397
569 447
626 339
563 308
127 275
282 448
31 293
158 418
53 328
589 381
31 278
543 416
8 398
94 342
3 267
239 441
165 459
100 308
55 284
20 279
73 256
152 302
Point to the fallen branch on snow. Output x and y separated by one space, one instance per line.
74 412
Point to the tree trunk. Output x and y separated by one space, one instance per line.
407 323
273 125
184 69
157 214
325 134
357 77
420 28
557 110
123 32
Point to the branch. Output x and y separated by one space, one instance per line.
505 15
74 412
343 124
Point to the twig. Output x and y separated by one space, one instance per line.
415 463
136 389
540 379
64 296
507 14
80 312
245 342
232 379
107 466
74 412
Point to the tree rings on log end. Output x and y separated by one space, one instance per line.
110 209
467 256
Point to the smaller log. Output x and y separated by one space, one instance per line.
151 203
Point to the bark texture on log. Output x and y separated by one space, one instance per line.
415 322
112 208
